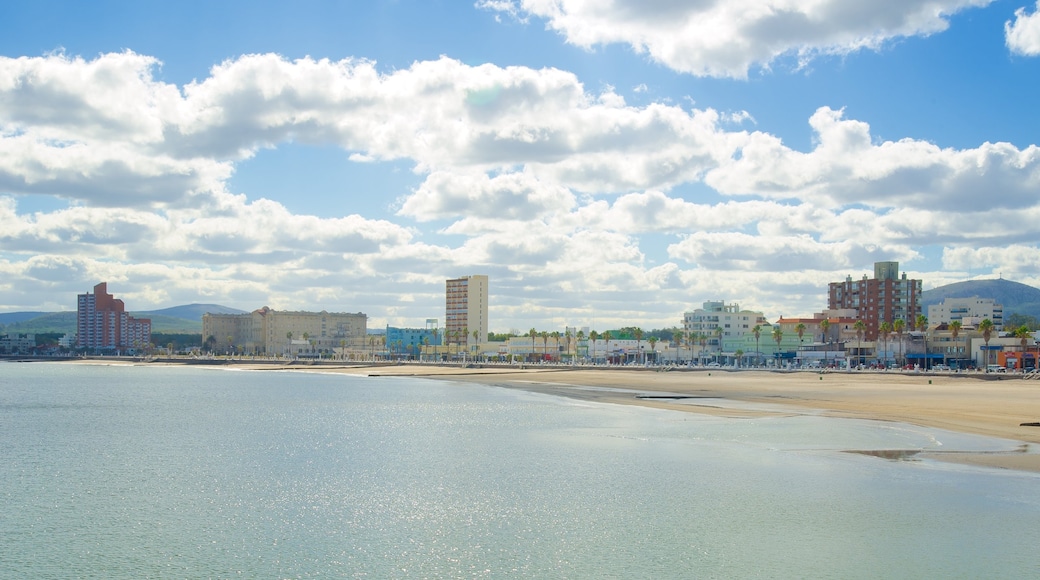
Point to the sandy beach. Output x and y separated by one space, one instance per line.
989 405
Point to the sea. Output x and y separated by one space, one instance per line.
120 471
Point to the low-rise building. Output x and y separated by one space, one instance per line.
967 311
273 332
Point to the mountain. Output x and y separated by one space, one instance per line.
189 311
185 319
1015 297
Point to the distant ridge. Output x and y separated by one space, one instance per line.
189 311
1015 297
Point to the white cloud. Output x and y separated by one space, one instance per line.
567 199
726 38
510 196
848 167
1023 35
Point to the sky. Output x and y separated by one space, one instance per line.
605 164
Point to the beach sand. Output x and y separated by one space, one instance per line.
966 403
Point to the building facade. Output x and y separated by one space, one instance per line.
967 311
466 310
409 342
102 323
274 332
886 297
720 327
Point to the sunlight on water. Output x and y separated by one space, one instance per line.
129 472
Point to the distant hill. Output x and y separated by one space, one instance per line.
189 311
185 319
1015 297
12 317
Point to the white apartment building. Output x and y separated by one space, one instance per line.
466 310
969 311
721 324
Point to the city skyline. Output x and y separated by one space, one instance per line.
604 168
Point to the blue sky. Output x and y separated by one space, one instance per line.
606 164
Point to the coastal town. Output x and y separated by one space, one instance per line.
872 322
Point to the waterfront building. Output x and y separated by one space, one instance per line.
466 310
17 344
886 297
409 342
968 311
274 332
102 323
719 328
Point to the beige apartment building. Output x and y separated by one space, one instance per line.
273 332
466 310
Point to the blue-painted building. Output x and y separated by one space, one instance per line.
408 342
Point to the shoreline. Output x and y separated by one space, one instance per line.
958 403
954 402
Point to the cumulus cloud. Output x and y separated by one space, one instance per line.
848 167
70 123
726 38
509 196
1023 34
739 251
525 175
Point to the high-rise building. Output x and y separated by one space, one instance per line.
103 323
466 310
886 297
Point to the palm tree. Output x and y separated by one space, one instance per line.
860 327
545 342
556 339
718 336
533 334
606 344
1023 335
955 331
677 337
739 354
884 330
825 327
757 331
580 336
702 339
922 326
778 335
653 342
639 337
899 326
986 328
593 335
307 337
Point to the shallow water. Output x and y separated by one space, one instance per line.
129 472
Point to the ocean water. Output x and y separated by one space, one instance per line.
142 472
